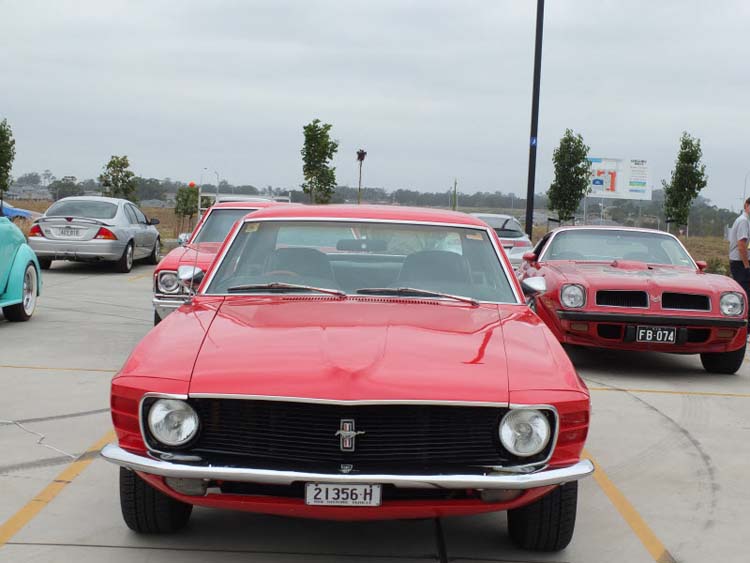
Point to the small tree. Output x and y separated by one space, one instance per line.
117 180
186 204
7 154
66 187
572 175
688 179
317 153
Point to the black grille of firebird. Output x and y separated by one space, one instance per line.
614 298
280 433
685 301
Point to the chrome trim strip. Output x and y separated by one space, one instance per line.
347 403
490 234
486 480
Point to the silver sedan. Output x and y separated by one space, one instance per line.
90 229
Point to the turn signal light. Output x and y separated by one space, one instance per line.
720 333
579 327
36 231
105 234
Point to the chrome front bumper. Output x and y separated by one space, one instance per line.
164 306
489 480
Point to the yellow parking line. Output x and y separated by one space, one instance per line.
667 392
47 368
15 523
653 545
140 277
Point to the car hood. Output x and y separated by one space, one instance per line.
621 274
356 349
201 254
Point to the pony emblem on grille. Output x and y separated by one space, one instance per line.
347 435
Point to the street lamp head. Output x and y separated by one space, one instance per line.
361 154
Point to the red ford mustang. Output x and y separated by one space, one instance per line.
636 289
353 363
200 250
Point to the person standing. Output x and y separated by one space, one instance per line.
739 235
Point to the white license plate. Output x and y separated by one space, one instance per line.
658 334
68 232
333 494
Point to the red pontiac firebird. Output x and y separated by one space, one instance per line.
199 251
353 363
636 289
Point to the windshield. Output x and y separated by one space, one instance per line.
505 226
607 245
352 256
83 208
218 223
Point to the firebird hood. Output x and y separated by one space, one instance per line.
202 255
638 275
355 349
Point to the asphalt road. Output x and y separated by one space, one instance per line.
671 443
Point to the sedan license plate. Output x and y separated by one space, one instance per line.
333 494
68 232
658 334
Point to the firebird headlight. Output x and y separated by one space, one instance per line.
525 432
572 296
168 282
732 304
172 422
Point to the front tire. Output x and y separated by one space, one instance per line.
724 362
125 263
148 511
157 318
25 309
548 523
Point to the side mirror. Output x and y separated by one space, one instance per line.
529 257
183 239
154 221
190 277
702 265
533 286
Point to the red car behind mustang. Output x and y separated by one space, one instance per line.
636 289
353 363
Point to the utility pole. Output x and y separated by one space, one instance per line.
534 116
455 193
361 154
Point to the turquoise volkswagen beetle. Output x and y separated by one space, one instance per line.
20 282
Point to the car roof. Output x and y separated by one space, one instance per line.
246 204
609 228
494 215
393 213
114 200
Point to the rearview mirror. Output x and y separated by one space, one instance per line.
533 286
183 239
190 277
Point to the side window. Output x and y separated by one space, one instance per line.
541 244
140 216
130 214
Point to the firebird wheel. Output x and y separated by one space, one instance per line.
157 318
724 362
548 523
148 511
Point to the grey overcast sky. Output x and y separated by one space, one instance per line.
431 89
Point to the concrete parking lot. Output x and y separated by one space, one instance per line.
671 444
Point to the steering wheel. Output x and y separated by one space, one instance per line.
282 273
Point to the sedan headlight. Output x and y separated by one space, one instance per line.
168 282
525 432
573 296
172 422
732 304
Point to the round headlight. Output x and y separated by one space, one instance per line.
168 282
172 422
573 296
732 305
524 432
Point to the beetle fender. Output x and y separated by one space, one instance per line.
14 289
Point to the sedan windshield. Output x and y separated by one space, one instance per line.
504 226
364 258
83 208
218 223
612 244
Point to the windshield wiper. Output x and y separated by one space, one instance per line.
415 292
280 286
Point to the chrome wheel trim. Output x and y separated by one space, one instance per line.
29 290
157 250
129 256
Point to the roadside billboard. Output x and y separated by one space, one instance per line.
617 178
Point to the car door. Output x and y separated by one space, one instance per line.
149 233
136 229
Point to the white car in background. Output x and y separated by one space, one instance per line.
512 236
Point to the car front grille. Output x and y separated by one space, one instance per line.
298 434
685 301
613 298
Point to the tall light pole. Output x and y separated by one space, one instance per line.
361 154
534 116
744 190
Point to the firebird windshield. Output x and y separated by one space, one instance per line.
218 223
611 244
354 256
